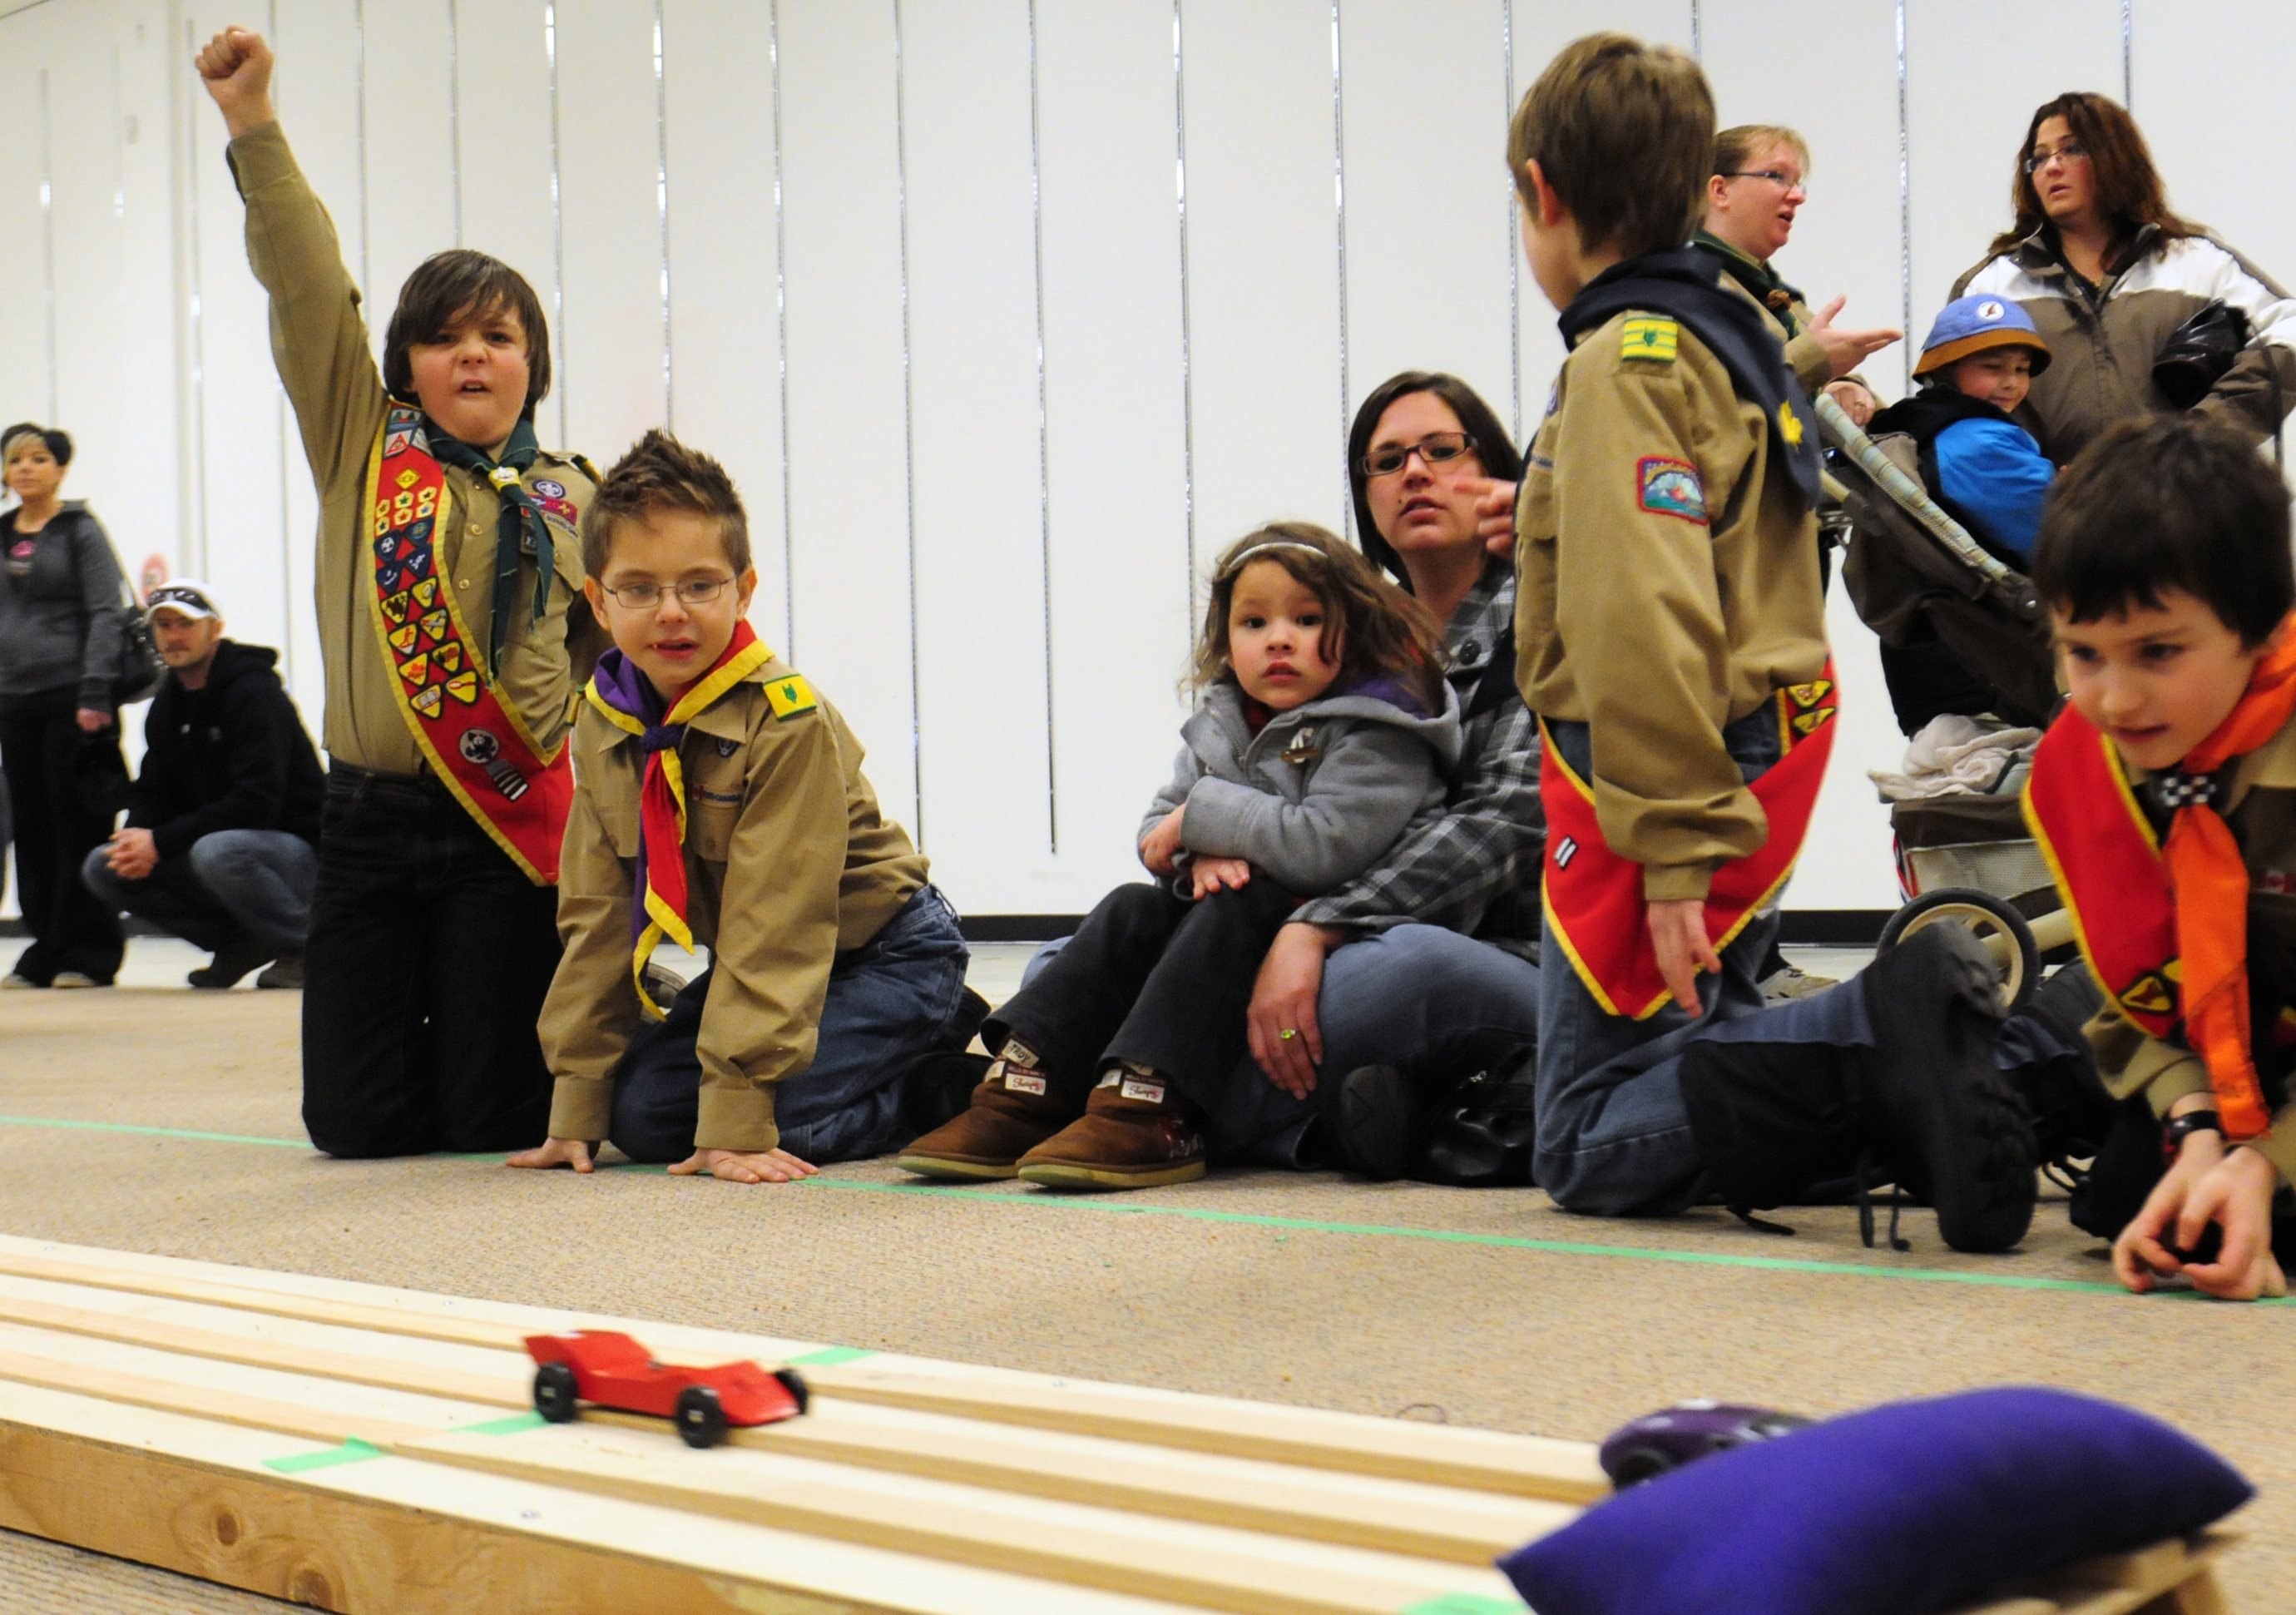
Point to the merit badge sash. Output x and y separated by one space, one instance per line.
2164 928
477 744
1593 898
629 700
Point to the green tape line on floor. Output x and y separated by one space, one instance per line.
1504 1242
353 1451
122 1127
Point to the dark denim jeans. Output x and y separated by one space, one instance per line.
889 1000
234 883
423 975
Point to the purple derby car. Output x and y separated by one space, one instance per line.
1672 1437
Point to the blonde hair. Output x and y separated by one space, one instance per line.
1624 133
1380 628
1736 147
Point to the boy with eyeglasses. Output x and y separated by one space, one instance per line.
1670 635
454 635
719 803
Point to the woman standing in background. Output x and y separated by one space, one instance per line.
60 642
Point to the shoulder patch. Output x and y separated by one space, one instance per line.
789 695
1670 487
1649 336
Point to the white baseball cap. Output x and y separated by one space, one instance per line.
187 595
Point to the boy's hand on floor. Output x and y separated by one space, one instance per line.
1159 848
1678 932
573 1152
738 1167
2208 1184
1208 875
1494 513
236 66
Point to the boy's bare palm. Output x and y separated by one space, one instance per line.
236 66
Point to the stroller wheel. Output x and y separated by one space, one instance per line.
2001 928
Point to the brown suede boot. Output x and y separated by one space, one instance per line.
1015 1107
1135 1134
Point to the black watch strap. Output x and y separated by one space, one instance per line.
2178 1128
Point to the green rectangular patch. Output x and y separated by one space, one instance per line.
510 1426
830 1356
1466 1604
353 1451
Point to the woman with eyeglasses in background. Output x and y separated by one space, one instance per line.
2109 274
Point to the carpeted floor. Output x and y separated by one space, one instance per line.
1483 1309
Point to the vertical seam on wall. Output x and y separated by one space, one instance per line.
286 512
1697 34
48 237
1044 443
557 225
2128 54
1514 257
1187 335
358 93
1339 233
908 423
661 202
453 104
199 320
781 334
1905 206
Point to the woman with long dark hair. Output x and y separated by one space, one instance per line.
2110 272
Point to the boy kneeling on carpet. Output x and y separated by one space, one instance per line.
2165 796
1325 732
719 802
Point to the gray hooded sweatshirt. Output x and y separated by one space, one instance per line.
61 625
1320 793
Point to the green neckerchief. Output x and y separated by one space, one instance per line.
519 527
1757 277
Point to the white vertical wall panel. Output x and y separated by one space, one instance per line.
980 549
2212 169
23 280
725 344
502 123
1121 570
1428 284
1536 31
848 500
1846 241
1263 271
1968 111
608 163
408 94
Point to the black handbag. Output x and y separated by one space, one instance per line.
2199 352
140 671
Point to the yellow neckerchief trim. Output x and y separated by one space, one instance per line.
2032 816
661 919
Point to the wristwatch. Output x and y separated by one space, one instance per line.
2178 1128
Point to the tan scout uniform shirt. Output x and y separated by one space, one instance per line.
1654 629
2261 813
788 864
320 343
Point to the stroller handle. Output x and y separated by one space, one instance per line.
1908 494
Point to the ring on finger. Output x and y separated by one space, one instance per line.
1289 1033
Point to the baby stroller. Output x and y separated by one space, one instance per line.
1917 578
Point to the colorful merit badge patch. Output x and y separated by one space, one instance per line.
1670 487
790 696
1649 336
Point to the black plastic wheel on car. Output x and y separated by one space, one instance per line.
700 1416
554 1392
1637 1464
1987 916
794 1383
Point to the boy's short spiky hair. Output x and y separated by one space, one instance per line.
2168 502
455 285
659 474
1625 134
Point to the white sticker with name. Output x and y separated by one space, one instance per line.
1020 1083
1148 1093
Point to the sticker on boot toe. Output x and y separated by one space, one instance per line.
1147 1093
1020 1082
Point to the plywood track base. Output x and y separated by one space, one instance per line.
362 1448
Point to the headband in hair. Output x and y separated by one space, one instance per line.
1236 563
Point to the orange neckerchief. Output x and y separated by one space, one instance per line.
2211 881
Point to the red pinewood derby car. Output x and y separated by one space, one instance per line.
609 1369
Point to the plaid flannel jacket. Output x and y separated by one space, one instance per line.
1475 869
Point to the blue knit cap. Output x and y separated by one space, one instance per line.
1972 324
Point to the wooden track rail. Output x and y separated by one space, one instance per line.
358 1447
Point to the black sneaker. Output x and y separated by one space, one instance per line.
1929 1101
232 961
1371 1117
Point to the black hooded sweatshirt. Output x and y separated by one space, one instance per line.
231 755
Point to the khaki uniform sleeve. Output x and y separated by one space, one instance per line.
776 930
318 337
1638 607
593 1010
1805 357
2130 1061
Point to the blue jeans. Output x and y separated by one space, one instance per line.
1393 998
889 1000
1613 1134
256 883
